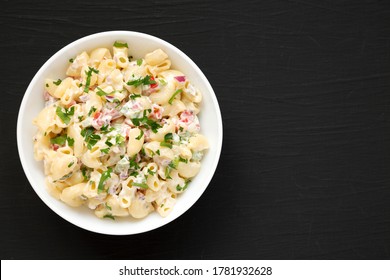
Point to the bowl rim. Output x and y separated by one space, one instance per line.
22 109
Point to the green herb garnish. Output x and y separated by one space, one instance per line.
105 175
65 115
108 143
105 151
119 139
141 185
183 159
109 216
89 75
183 188
167 140
93 109
139 62
133 163
58 82
59 140
90 137
141 81
104 129
173 164
140 135
86 173
168 170
86 132
70 164
64 177
174 95
101 92
168 137
147 123
162 82
165 144
134 173
70 141
134 96
120 45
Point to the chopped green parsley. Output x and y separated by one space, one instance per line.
58 82
105 175
109 216
134 96
90 137
142 81
141 185
89 75
120 45
92 110
59 140
66 114
140 135
174 95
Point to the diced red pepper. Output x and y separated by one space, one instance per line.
97 115
153 85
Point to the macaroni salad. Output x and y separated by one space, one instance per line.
120 135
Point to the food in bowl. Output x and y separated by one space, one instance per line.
120 135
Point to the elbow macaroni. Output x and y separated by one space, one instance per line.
120 136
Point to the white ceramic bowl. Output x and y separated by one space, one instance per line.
139 45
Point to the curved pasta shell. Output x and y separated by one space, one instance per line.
62 165
45 120
74 132
116 208
61 88
78 63
140 208
188 170
155 57
99 55
72 195
165 205
161 132
134 145
105 68
162 96
91 157
174 109
121 57
198 143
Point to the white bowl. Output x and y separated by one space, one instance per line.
139 45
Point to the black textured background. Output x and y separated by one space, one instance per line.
304 92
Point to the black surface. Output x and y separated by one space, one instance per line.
304 92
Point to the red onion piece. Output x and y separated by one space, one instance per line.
180 79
